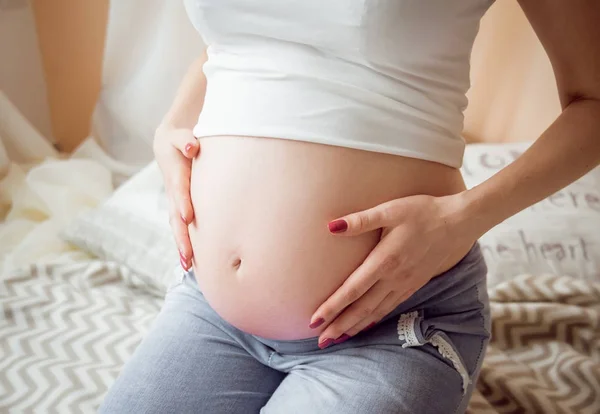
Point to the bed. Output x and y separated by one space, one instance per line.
70 327
75 301
86 256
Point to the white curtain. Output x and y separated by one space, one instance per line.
150 44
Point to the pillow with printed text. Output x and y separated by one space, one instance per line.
558 235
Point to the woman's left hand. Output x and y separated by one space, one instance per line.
422 236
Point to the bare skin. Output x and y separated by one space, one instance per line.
259 209
263 255
267 202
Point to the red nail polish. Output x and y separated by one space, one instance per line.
182 257
188 147
316 323
325 343
342 338
338 226
369 326
184 260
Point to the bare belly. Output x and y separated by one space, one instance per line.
263 256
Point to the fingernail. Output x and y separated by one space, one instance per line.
325 343
184 261
338 226
183 219
341 339
188 147
316 323
369 326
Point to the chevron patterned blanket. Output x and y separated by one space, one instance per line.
544 356
66 330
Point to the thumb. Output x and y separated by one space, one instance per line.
361 222
185 142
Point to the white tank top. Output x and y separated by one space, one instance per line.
378 75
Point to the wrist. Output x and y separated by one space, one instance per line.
466 214
177 120
167 125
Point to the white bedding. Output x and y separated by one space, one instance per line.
41 191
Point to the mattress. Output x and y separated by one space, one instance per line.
67 329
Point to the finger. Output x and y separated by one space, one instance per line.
382 261
180 232
362 309
186 208
364 221
177 173
408 291
185 142
180 190
387 305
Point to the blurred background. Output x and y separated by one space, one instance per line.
76 68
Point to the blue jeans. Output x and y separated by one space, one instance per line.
423 357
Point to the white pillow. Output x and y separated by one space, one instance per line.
559 235
132 228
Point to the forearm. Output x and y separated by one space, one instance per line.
566 151
189 98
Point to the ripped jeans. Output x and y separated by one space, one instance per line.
423 357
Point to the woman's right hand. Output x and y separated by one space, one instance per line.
174 149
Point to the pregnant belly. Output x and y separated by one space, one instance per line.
263 256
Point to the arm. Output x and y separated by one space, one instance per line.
189 98
424 235
175 147
570 147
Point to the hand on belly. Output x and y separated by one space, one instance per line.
270 278
263 256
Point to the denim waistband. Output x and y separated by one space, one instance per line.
474 256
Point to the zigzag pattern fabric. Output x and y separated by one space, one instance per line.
545 351
66 330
